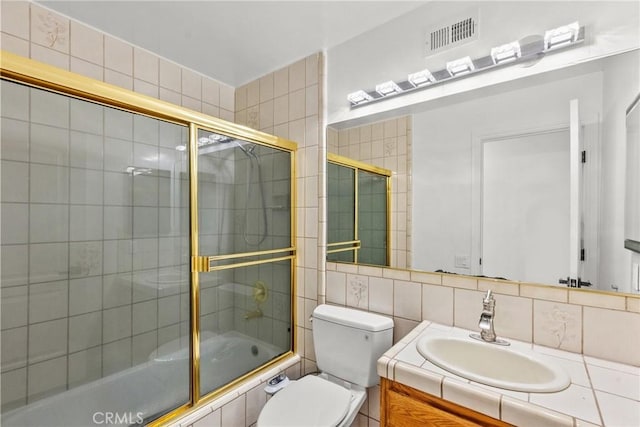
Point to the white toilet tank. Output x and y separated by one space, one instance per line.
349 342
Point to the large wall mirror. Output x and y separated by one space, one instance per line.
524 180
632 184
632 195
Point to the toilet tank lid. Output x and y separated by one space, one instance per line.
353 318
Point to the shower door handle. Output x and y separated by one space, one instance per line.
200 264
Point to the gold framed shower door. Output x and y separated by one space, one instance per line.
355 244
36 74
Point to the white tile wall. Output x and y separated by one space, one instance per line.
14 307
407 299
15 265
15 143
85 295
558 325
437 304
598 341
85 366
116 356
48 301
47 340
14 344
15 223
86 150
47 378
85 331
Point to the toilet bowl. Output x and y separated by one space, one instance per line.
348 344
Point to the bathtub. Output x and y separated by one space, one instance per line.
133 396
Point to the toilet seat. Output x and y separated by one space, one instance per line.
308 402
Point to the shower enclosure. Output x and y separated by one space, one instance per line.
358 226
147 252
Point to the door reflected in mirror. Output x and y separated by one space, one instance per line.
526 207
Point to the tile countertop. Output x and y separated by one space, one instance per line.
601 393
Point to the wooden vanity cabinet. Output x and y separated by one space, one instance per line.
404 406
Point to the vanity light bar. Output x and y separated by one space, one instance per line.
561 36
460 66
421 78
388 88
510 53
359 97
506 53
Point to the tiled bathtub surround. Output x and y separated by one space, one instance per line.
385 144
86 241
601 392
560 318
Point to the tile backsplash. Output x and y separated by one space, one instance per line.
606 326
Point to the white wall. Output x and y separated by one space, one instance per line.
395 49
442 157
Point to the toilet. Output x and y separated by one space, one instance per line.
348 344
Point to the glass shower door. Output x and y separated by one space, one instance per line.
100 290
341 233
95 266
372 218
245 247
358 224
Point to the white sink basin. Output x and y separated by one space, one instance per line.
497 366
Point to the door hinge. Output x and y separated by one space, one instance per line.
200 264
582 254
584 157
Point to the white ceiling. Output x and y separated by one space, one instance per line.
234 42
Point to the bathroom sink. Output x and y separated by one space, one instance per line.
493 365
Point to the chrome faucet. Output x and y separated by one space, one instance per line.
487 332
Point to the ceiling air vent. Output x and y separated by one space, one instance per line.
460 31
